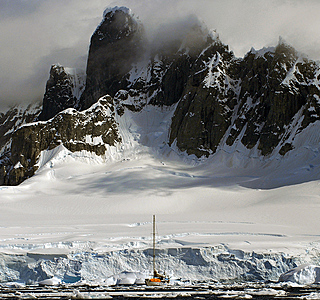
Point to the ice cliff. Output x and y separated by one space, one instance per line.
194 264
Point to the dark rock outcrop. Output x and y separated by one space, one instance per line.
276 86
124 64
116 44
252 100
61 93
91 130
204 113
9 123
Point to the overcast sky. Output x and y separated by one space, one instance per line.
37 33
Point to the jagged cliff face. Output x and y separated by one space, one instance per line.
90 130
278 97
204 112
63 91
9 123
135 71
116 44
258 103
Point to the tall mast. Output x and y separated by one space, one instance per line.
154 242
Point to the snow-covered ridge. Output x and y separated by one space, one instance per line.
86 115
271 49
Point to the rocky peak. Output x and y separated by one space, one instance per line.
116 44
137 71
117 23
63 89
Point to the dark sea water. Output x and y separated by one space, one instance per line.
201 291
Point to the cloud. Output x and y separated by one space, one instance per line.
243 24
17 8
37 33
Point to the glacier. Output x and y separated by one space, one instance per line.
218 264
226 218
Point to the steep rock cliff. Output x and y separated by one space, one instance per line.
63 90
261 101
205 110
278 97
14 118
116 44
92 130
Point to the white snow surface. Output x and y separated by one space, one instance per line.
84 217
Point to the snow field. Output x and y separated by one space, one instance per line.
80 207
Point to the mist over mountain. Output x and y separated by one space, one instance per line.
265 105
28 50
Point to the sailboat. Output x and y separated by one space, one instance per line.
157 279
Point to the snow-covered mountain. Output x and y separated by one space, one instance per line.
224 150
263 105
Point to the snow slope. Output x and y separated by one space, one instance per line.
227 217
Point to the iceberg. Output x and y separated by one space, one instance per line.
304 274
